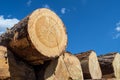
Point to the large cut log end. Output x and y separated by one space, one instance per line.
4 66
73 65
56 70
66 67
110 65
47 32
94 66
13 68
39 37
116 65
90 65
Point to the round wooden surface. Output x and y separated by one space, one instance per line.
94 66
4 67
73 66
47 32
116 65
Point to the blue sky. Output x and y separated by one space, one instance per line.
91 24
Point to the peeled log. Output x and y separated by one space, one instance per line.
13 68
66 67
38 37
110 65
90 65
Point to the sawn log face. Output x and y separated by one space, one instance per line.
39 37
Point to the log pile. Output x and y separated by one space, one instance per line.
66 67
39 37
90 65
110 66
35 49
14 68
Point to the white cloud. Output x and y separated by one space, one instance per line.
116 33
46 6
117 27
7 23
116 36
9 16
63 10
29 2
1 32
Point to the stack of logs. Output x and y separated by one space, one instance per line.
35 49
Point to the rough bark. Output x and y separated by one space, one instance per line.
110 65
90 65
66 67
13 67
37 38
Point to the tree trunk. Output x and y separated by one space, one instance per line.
110 65
66 67
90 65
37 38
13 68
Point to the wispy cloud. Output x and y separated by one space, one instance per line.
9 16
29 2
64 10
117 31
117 27
116 36
1 32
6 23
46 6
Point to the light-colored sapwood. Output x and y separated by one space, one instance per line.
90 66
66 67
4 66
13 67
39 37
110 65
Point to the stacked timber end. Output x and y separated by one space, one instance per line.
4 65
13 67
66 67
110 65
90 65
39 37
35 49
